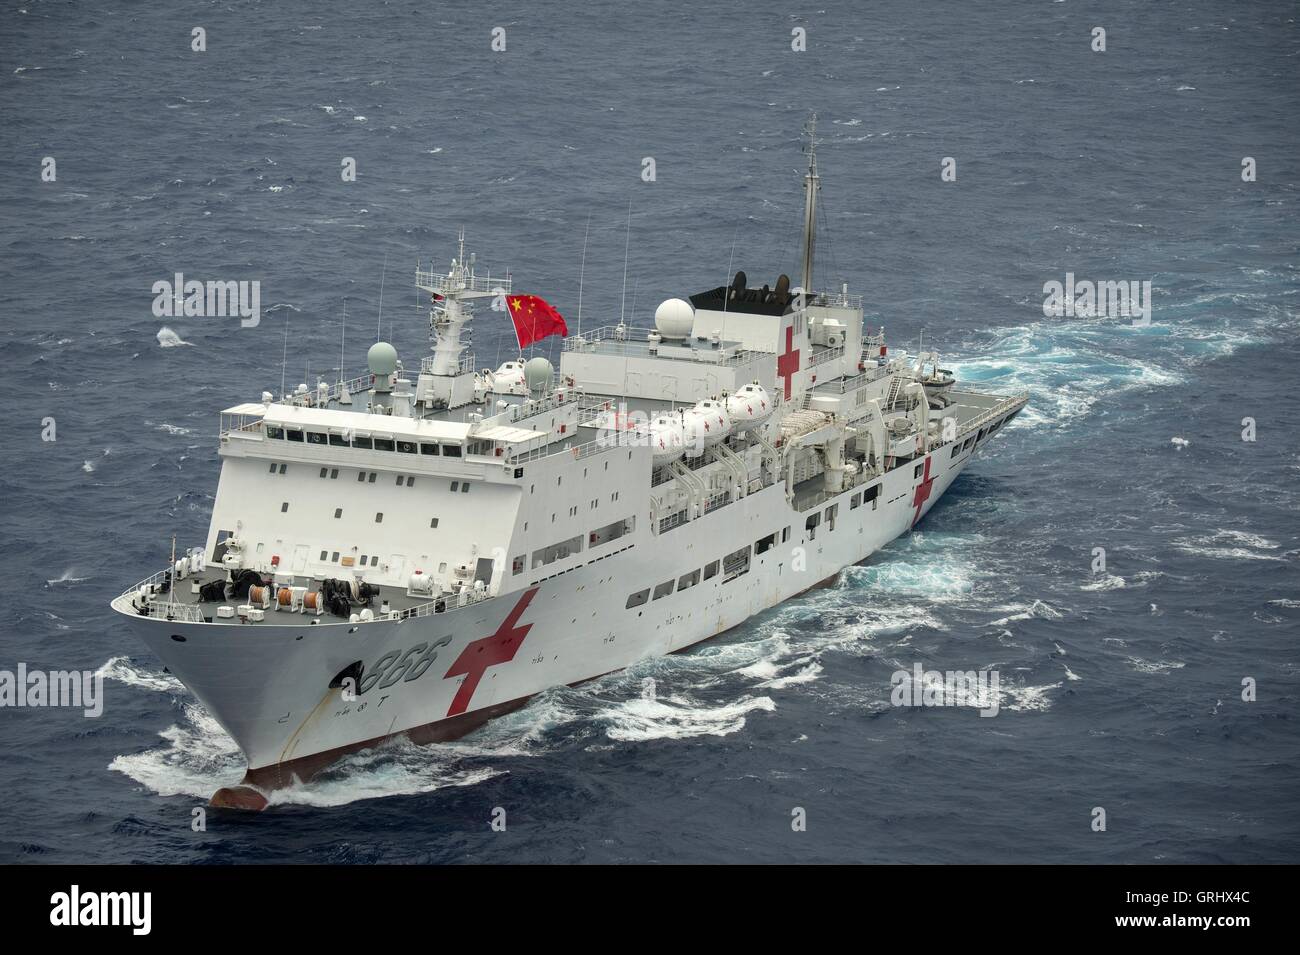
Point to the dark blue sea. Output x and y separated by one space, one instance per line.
1121 689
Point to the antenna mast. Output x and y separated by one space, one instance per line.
626 245
811 183
581 271
379 324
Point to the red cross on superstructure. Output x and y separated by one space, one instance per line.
922 492
788 364
499 647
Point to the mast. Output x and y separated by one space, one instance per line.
811 183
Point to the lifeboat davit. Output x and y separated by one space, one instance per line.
749 407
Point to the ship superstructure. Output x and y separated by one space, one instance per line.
414 552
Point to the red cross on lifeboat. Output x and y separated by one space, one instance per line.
922 492
478 655
788 364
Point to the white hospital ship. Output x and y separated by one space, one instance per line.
415 552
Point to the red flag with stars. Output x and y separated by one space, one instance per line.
534 319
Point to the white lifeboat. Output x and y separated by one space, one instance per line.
705 425
508 379
749 407
667 439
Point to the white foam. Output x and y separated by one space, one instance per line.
1104 582
677 717
169 339
124 671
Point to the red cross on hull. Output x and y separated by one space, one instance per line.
922 492
499 647
788 364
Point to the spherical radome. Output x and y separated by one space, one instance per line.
674 318
537 373
382 359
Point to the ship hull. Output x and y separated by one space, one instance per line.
439 676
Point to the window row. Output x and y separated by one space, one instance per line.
731 566
364 442
567 548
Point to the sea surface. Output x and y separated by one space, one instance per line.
1121 689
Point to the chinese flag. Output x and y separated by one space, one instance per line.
534 319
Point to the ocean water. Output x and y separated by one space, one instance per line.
1120 690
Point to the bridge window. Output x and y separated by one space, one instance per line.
294 436
855 501
916 471
516 565
451 450
334 474
428 448
384 444
317 437
664 589
811 524
274 432
406 447
339 441
335 557
638 598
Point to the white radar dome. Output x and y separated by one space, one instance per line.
382 359
537 373
674 319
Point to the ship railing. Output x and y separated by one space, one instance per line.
825 355
717 501
671 521
839 299
577 451
162 605
466 366
166 610
444 602
632 343
468 282
311 397
843 385
149 582
999 409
